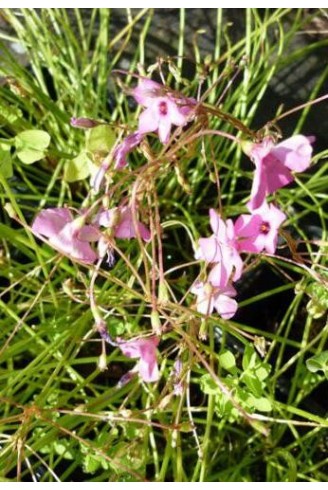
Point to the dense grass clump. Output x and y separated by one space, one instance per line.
110 367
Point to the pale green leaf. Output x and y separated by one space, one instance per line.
100 139
31 145
227 361
78 168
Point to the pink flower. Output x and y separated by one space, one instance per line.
259 231
119 156
162 109
68 236
127 145
220 299
221 249
120 220
143 349
273 165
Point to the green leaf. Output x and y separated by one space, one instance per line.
91 464
250 357
318 363
100 139
6 166
208 385
78 168
262 371
62 448
262 404
31 145
227 361
252 382
10 113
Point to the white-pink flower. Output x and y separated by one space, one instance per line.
274 165
221 249
220 299
120 220
69 236
259 231
145 350
162 109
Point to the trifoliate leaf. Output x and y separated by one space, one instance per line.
208 385
100 139
78 168
31 145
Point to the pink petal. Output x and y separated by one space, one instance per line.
145 350
97 179
148 121
89 233
259 186
175 115
146 91
164 129
225 306
209 249
247 228
215 221
66 243
107 218
220 275
204 302
50 222
127 145
126 229
295 152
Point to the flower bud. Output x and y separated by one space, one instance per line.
84 122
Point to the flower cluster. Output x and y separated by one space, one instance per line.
88 235
255 232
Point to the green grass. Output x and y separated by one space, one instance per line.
63 417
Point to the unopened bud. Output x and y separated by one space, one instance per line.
68 287
102 362
84 122
156 322
247 147
10 210
163 294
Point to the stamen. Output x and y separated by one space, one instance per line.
264 227
163 108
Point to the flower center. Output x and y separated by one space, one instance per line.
162 106
264 227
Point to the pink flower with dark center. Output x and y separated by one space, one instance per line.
259 231
220 299
120 221
69 236
274 165
143 349
221 249
162 109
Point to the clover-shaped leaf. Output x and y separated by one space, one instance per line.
318 362
31 145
